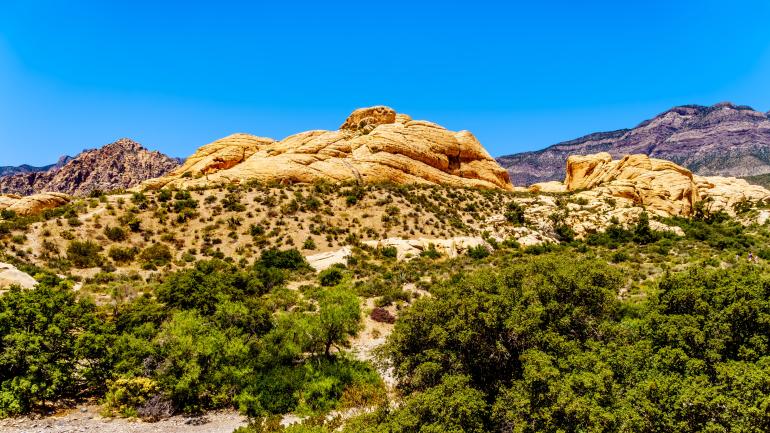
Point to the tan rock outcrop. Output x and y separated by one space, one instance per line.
409 248
660 186
656 185
220 155
373 145
547 187
325 260
725 192
33 204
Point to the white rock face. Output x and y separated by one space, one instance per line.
10 276
322 261
407 248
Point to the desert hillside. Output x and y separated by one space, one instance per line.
317 303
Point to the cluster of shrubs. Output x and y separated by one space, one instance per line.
215 335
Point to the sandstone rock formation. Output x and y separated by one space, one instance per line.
33 204
119 165
220 155
723 139
659 186
725 192
550 187
408 248
373 145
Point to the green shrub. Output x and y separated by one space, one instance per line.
290 259
84 254
309 244
514 213
389 252
156 255
52 347
330 277
125 395
478 252
122 254
115 234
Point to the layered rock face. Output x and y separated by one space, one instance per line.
723 139
33 204
374 144
660 186
119 165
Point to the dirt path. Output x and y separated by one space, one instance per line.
86 419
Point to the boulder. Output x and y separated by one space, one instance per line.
33 204
10 276
325 260
373 145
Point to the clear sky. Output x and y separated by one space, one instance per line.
520 75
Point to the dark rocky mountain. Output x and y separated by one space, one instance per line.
723 139
119 165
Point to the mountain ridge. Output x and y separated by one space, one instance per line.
722 139
10 170
121 164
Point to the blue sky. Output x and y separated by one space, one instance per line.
520 75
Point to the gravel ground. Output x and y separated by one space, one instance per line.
86 419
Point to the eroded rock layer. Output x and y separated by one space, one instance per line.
33 204
374 144
659 186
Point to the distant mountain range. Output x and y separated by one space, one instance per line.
119 165
723 139
25 168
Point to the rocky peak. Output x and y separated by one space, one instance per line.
118 165
366 119
124 145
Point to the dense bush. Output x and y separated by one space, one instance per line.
478 252
290 259
115 234
156 255
330 277
122 254
84 254
547 344
514 213
213 338
52 346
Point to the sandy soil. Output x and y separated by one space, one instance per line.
86 419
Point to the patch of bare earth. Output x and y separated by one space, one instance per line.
86 419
